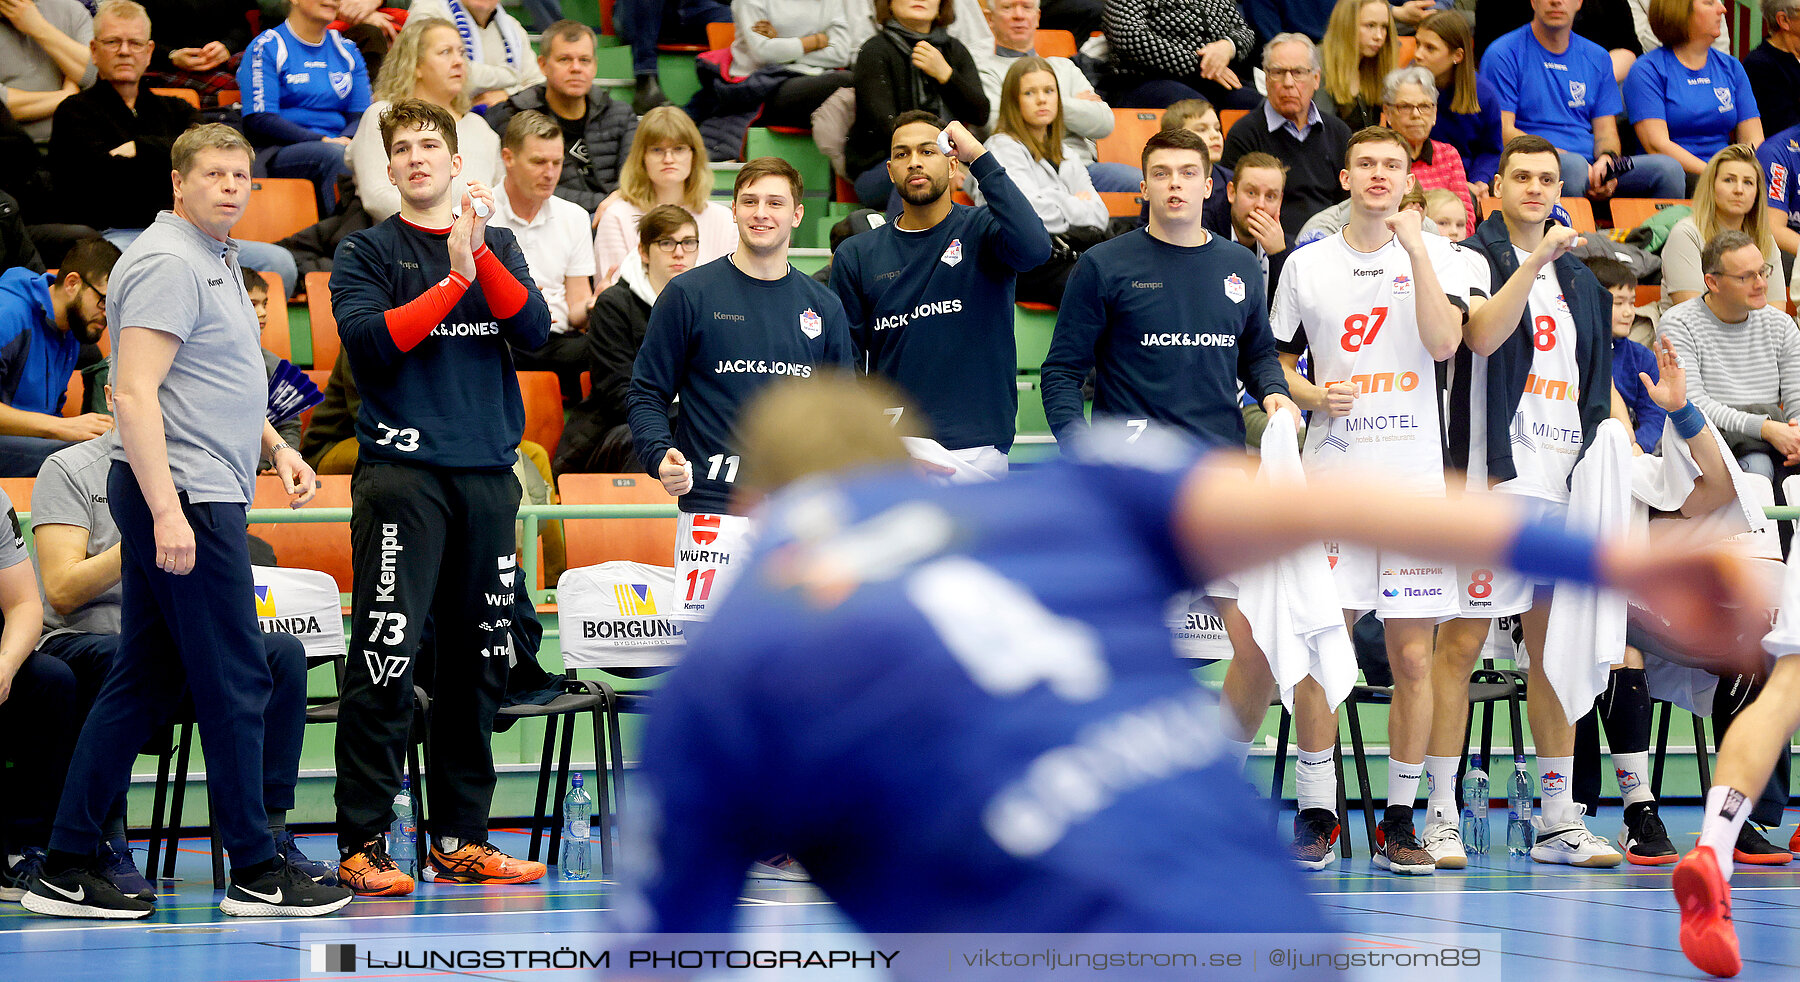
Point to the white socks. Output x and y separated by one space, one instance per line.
1315 783
1238 751
1726 809
1556 791
1403 782
1440 786
1633 771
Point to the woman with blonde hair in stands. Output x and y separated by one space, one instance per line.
1359 50
1731 196
425 62
667 165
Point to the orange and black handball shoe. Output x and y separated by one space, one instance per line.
479 862
370 873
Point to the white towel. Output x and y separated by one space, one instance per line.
933 452
1587 623
1291 603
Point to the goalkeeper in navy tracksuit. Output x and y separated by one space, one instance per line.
930 295
426 303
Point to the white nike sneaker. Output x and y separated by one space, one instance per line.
82 893
1571 844
1443 840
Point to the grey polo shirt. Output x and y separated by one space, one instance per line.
71 490
181 281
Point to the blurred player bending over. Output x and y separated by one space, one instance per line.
953 678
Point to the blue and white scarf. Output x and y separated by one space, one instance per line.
512 37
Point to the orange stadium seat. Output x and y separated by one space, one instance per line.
1581 211
1131 127
1123 204
595 541
324 323
543 408
320 377
720 35
1632 212
276 336
324 547
278 207
1051 43
18 491
188 96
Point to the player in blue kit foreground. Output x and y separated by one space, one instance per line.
967 698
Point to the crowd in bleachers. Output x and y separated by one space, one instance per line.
1669 152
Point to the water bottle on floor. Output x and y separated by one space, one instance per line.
1475 808
403 835
577 806
1519 834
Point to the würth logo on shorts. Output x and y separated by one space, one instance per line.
706 529
811 324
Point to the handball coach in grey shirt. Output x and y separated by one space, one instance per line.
190 396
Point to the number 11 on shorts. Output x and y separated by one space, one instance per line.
700 580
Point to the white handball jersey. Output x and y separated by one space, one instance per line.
1546 429
1357 311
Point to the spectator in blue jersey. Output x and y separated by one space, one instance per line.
428 304
1467 118
1779 157
911 63
1171 317
112 141
1289 126
717 335
305 89
1550 82
1686 99
1774 66
929 296
44 321
1029 143
1007 654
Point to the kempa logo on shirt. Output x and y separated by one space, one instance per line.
211 281
1366 272
1190 341
718 316
1146 285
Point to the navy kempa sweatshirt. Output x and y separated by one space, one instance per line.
453 400
718 335
1172 329
933 310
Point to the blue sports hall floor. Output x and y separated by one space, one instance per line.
1554 922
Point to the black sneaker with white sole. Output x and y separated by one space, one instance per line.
83 893
284 891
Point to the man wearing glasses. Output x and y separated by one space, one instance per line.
553 233
112 141
44 321
1409 107
1743 357
1289 127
